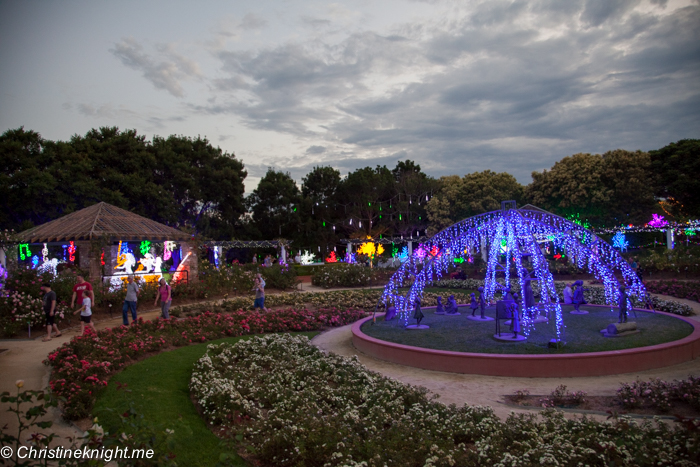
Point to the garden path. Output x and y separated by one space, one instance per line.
488 390
23 359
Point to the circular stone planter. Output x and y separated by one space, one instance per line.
533 366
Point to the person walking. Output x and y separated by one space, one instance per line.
259 288
50 311
132 293
165 296
80 290
86 315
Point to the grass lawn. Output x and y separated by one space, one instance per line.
582 334
159 390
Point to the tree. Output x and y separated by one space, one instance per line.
607 189
675 170
362 193
274 206
319 213
475 193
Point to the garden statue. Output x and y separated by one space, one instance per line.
622 302
515 321
452 308
528 293
473 304
418 314
439 310
578 296
390 313
568 295
482 301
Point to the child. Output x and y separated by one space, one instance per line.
259 289
86 315
473 304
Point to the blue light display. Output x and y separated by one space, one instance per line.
509 236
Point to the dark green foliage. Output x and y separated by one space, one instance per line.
676 172
178 181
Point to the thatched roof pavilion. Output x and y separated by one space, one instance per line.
106 224
101 220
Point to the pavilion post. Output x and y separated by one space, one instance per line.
283 254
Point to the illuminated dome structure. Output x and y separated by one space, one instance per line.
513 237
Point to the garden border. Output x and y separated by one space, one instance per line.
534 366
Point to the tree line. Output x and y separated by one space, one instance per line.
187 183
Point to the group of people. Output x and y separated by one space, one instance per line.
84 296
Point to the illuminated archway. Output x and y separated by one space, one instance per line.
506 237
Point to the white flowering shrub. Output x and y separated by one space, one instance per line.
343 275
289 404
19 310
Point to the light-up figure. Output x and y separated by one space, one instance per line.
48 266
45 253
619 241
307 258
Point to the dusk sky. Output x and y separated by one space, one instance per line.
457 86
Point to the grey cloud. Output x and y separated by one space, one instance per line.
315 22
252 21
315 150
165 72
502 96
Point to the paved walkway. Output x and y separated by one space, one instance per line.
23 360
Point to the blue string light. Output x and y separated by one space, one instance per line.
510 235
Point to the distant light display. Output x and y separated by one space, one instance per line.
620 242
657 221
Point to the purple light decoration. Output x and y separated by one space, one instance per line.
523 230
657 221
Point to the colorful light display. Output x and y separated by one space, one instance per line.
523 231
332 258
619 242
657 221
24 251
71 252
145 247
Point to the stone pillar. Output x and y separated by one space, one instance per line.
3 261
410 249
283 254
670 243
190 264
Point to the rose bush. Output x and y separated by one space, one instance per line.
82 366
675 288
290 404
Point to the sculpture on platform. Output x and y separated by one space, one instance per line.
515 322
472 303
578 295
439 310
418 313
452 308
622 301
568 295
482 301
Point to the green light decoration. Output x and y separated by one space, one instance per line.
324 223
399 216
394 252
295 209
26 253
690 232
369 204
458 260
145 247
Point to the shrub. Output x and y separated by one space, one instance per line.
291 404
343 275
82 366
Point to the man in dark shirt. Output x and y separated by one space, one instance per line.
50 310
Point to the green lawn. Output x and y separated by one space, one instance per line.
582 334
159 390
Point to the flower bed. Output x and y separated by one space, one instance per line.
660 394
82 366
343 275
675 288
289 404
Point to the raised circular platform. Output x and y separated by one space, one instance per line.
540 366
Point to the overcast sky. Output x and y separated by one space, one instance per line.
457 86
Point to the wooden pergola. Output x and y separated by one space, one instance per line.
106 224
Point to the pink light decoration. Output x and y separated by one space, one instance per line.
71 252
181 266
657 221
